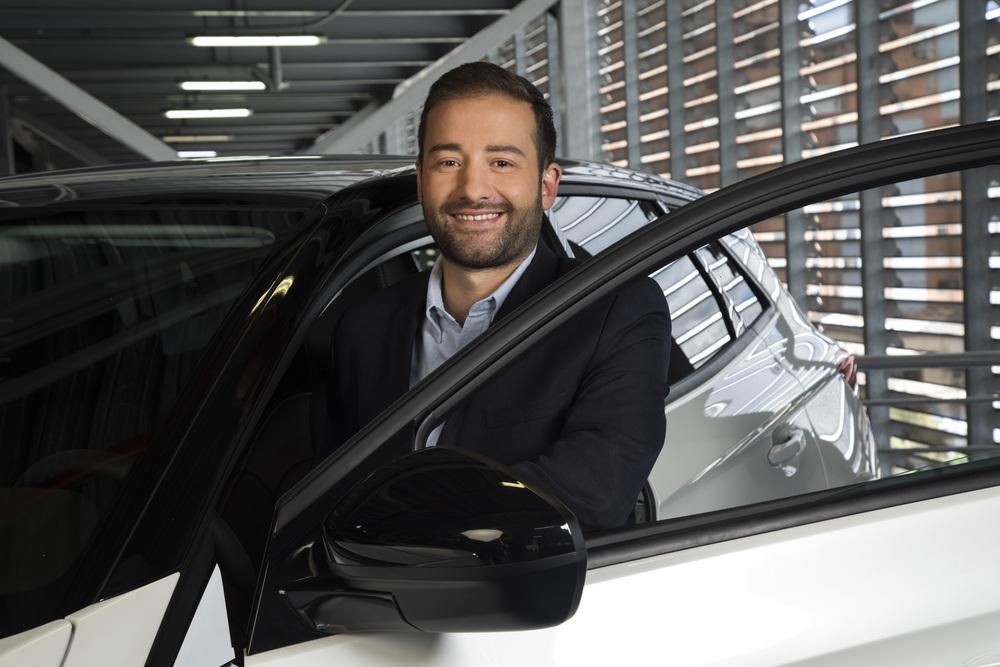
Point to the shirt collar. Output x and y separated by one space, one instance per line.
435 299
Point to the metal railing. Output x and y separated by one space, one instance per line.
885 363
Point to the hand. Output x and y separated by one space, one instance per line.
848 367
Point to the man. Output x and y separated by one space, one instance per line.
581 414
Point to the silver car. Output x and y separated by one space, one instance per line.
757 408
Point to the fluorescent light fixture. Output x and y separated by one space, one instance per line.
222 85
207 113
195 138
190 154
257 40
250 12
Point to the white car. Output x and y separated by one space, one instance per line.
162 393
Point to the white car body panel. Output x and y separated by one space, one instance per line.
761 600
44 646
119 631
207 641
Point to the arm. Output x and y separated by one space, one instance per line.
615 427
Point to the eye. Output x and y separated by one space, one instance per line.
448 162
503 164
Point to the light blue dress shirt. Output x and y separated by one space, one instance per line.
441 336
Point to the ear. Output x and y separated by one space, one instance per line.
550 184
420 188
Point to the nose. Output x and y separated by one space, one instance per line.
475 184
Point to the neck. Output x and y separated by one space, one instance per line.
461 287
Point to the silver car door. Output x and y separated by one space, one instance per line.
736 431
839 429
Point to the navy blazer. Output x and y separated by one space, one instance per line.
579 415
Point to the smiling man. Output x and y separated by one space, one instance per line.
581 414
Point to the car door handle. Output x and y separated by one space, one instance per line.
788 442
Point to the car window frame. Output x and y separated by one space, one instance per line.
689 227
649 202
762 297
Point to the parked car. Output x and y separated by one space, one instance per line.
166 337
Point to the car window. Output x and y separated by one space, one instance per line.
742 303
106 313
698 326
594 223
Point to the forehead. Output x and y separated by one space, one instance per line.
474 122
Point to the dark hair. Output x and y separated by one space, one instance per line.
482 78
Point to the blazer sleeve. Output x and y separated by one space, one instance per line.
615 427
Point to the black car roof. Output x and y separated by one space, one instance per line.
298 178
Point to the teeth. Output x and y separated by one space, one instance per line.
481 216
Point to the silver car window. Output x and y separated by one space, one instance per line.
742 303
594 223
699 328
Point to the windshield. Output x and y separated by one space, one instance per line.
103 315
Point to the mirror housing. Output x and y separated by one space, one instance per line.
441 541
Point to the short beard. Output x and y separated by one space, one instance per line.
518 239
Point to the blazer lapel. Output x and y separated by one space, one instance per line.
542 271
402 327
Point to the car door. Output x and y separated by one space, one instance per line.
108 308
838 422
730 389
800 580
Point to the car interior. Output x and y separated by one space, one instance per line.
285 443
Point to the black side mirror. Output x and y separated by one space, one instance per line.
441 541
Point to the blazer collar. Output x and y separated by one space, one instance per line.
542 271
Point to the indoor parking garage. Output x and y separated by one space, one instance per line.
538 332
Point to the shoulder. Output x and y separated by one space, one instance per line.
643 290
639 290
565 264
636 310
378 304
633 299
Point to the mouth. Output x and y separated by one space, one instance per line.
477 218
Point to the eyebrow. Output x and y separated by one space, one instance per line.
493 148
440 148
505 149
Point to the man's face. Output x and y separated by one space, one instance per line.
479 181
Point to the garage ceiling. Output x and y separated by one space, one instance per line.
134 61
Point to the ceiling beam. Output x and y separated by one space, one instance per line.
133 106
411 93
110 54
96 18
419 27
38 127
82 103
344 129
294 19
120 72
